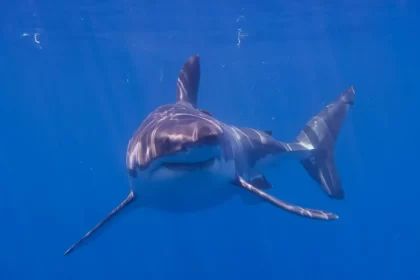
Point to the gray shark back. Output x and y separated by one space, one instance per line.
251 146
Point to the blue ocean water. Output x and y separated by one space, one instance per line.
78 77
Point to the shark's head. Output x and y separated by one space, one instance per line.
177 138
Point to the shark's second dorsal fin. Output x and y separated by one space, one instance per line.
188 81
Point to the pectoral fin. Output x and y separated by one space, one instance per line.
260 182
305 212
123 205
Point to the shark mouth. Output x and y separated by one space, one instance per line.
189 166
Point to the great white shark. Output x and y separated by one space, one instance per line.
183 159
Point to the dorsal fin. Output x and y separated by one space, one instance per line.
188 81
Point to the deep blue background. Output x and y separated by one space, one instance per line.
70 103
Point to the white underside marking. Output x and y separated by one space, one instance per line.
186 190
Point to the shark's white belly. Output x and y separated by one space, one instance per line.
186 191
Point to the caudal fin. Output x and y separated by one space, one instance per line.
320 134
130 198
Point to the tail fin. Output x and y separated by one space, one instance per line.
130 198
320 133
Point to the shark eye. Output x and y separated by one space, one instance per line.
163 144
166 142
